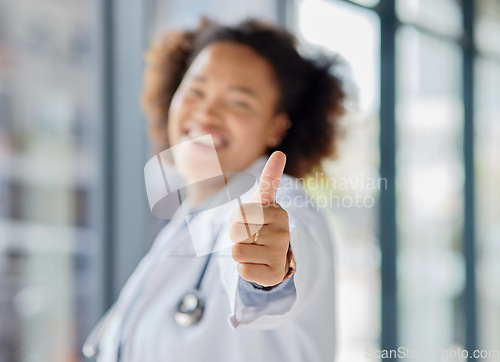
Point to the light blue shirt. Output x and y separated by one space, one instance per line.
253 296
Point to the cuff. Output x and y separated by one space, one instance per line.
254 295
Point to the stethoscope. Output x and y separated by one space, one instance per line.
191 306
189 311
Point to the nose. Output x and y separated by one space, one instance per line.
208 112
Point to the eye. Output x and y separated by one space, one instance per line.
238 104
195 92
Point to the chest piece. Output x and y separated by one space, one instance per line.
189 310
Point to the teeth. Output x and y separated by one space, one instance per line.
200 137
196 134
204 141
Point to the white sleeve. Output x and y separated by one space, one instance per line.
311 244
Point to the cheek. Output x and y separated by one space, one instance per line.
175 114
251 137
172 126
256 130
248 124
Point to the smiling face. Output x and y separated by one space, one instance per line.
231 93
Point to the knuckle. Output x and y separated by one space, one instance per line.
273 254
283 215
277 275
233 233
248 207
237 252
281 237
237 215
283 234
278 207
245 271
277 214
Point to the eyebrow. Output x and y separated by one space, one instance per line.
199 78
246 90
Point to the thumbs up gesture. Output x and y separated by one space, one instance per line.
260 231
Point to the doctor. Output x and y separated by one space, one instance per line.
269 296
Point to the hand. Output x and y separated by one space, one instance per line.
261 244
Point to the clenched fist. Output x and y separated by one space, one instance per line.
260 231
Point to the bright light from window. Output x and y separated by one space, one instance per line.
343 28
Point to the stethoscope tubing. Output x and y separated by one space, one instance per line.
159 290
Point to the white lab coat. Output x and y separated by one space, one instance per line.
142 317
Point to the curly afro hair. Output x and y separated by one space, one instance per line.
310 94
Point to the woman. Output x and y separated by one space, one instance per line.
270 296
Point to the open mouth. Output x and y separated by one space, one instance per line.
197 137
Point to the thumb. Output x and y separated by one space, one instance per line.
270 179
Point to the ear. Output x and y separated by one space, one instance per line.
281 123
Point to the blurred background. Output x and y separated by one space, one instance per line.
417 265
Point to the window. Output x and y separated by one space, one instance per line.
443 209
487 171
431 269
353 180
49 172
